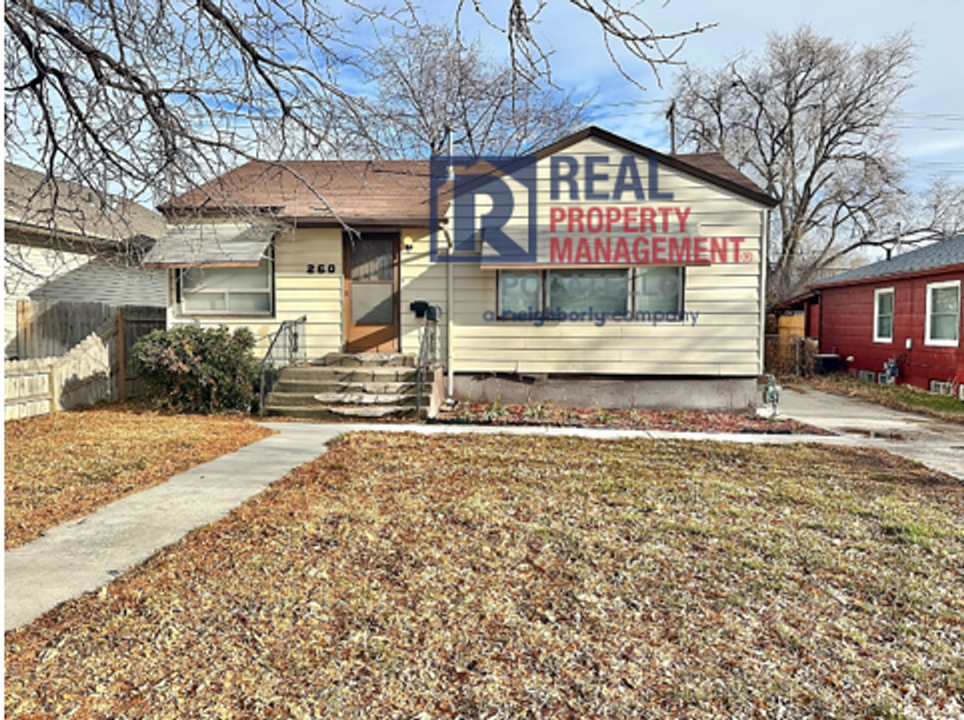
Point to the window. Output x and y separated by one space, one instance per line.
599 291
943 319
520 291
659 289
226 290
613 291
884 315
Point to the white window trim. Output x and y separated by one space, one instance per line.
893 312
927 317
183 311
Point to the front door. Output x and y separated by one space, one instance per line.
371 291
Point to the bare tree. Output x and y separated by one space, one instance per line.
812 121
428 81
150 98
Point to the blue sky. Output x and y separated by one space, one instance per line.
932 120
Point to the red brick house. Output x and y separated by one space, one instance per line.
906 309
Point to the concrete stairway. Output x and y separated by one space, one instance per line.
343 386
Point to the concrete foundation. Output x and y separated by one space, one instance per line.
733 394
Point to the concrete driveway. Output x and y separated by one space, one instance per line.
935 443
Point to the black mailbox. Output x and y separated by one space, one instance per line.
432 313
419 307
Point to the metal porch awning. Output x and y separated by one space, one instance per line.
211 245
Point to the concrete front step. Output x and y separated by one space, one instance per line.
319 373
313 388
323 412
312 399
368 360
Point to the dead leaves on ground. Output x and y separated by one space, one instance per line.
409 576
66 465
678 421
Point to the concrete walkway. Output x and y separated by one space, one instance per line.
936 443
83 555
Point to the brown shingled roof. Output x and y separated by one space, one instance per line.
392 191
356 190
715 164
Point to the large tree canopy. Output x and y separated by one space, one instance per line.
429 81
812 120
148 97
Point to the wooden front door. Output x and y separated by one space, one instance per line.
371 291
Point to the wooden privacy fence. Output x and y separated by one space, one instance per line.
97 368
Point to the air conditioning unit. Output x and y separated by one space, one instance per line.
866 375
942 388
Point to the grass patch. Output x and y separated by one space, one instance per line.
488 576
66 465
899 397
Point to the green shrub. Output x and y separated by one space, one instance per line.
190 369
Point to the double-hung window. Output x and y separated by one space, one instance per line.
227 290
884 315
943 321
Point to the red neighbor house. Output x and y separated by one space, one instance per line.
906 309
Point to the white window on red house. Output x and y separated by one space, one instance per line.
884 315
943 322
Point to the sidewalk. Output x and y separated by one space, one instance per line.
933 442
83 555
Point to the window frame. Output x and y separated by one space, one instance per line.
182 311
938 342
878 292
632 284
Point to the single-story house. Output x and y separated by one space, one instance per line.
65 242
596 272
903 313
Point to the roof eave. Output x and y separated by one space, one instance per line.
906 275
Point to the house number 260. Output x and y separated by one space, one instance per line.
320 269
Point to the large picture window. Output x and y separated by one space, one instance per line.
613 291
226 290
884 315
943 320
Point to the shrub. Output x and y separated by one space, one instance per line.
190 369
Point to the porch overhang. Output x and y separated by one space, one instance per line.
211 245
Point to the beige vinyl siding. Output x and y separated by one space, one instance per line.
725 340
421 279
297 293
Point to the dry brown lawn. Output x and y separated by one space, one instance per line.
63 466
487 576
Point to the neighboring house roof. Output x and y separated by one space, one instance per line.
43 211
103 281
944 254
383 192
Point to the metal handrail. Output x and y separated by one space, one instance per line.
289 334
427 355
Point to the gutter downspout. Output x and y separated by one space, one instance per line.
449 324
764 259
449 282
